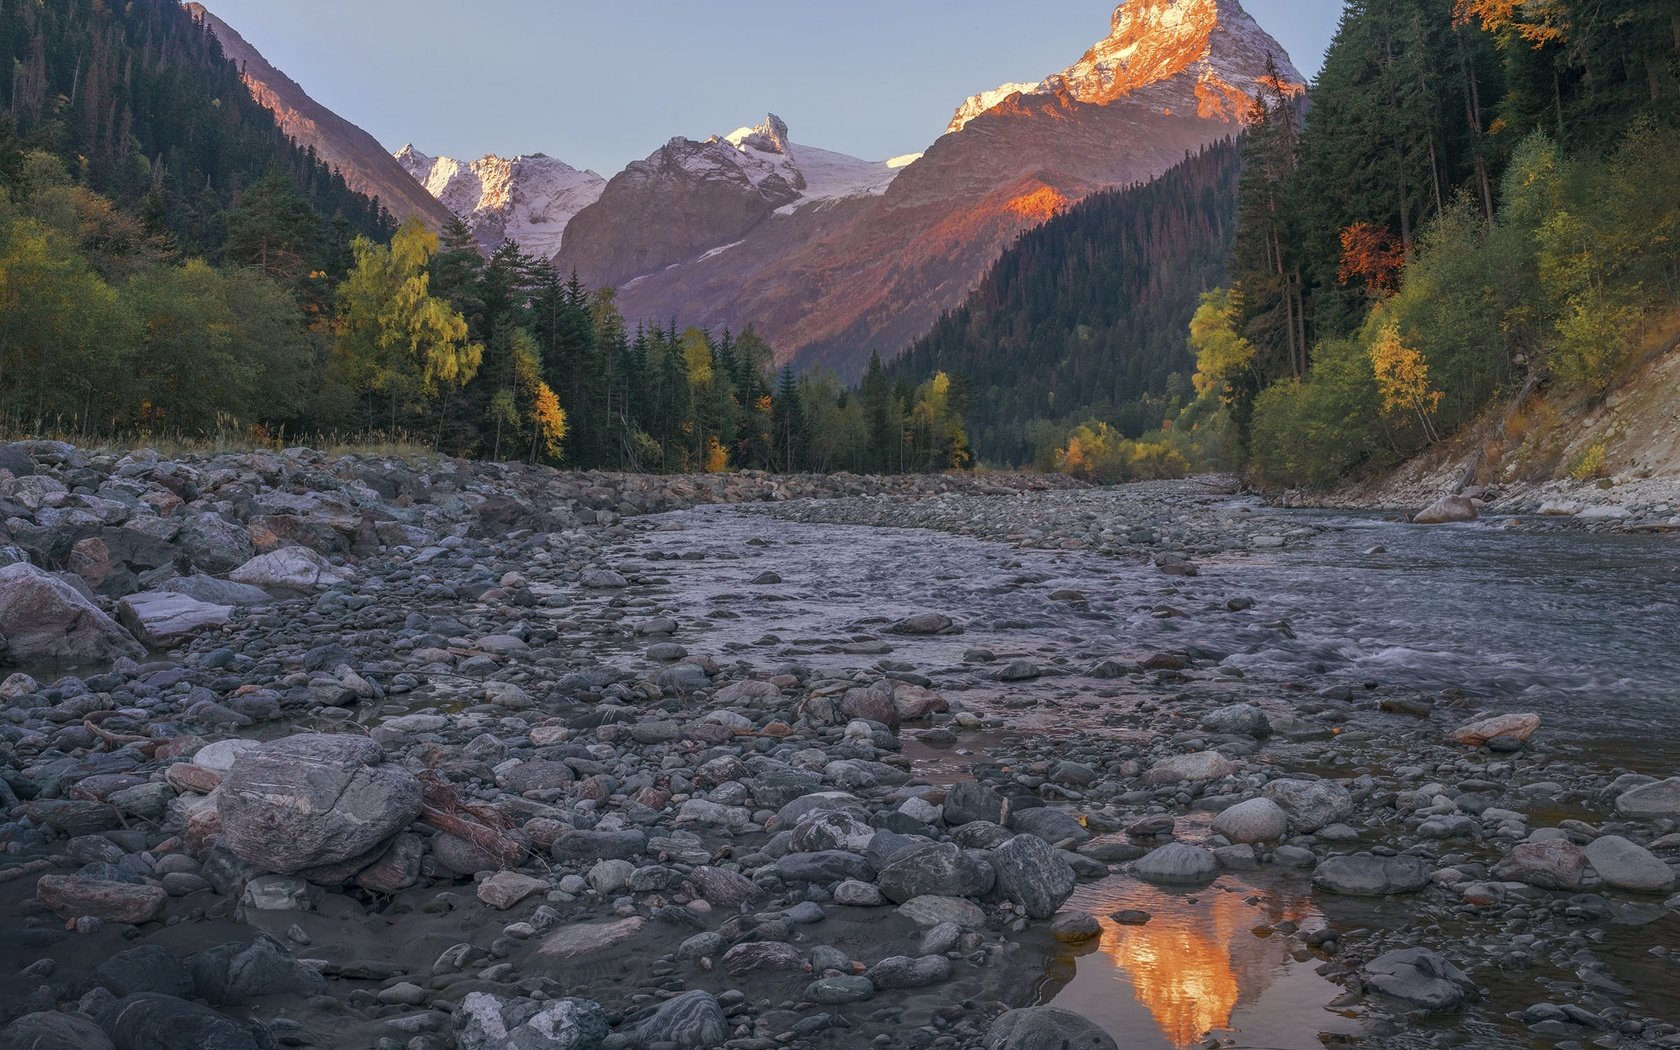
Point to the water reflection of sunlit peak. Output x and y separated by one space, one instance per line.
1184 977
1192 964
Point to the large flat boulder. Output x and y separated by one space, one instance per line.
43 617
1658 799
1368 875
72 897
1421 977
160 619
290 569
217 592
312 801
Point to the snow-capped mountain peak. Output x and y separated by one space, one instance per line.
768 137
1194 57
529 198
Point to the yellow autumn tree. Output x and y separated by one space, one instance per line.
394 338
1222 355
548 422
717 457
530 400
1403 379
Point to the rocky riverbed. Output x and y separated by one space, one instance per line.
363 753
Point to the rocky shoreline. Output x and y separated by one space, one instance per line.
421 755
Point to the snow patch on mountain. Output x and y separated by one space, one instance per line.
1200 57
975 105
529 198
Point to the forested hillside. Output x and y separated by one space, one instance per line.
140 103
1083 318
1482 202
173 266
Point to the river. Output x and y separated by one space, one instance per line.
1582 628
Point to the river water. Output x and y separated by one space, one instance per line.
1583 628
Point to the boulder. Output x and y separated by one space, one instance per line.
314 800
1550 864
824 867
1194 768
215 545
923 623
52 1030
582 847
724 889
759 956
43 617
1051 825
72 896
904 971
150 1021
488 1022
1626 865
239 971
398 867
1045 1028
216 592
1237 719
928 912
1420 977
1310 804
1033 875
690 1021
160 619
1075 927
290 569
1368 875
1445 509
967 802
836 829
1177 863
583 940
1255 820
939 869
1515 727
602 579
1658 799
505 889
148 968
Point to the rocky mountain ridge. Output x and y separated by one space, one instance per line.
365 165
828 285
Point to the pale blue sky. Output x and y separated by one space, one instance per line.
601 83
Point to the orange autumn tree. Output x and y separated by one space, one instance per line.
1403 379
1539 22
1371 255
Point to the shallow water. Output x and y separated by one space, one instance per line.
1583 628
1209 962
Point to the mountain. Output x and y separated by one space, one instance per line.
691 200
1085 316
699 234
366 166
529 198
